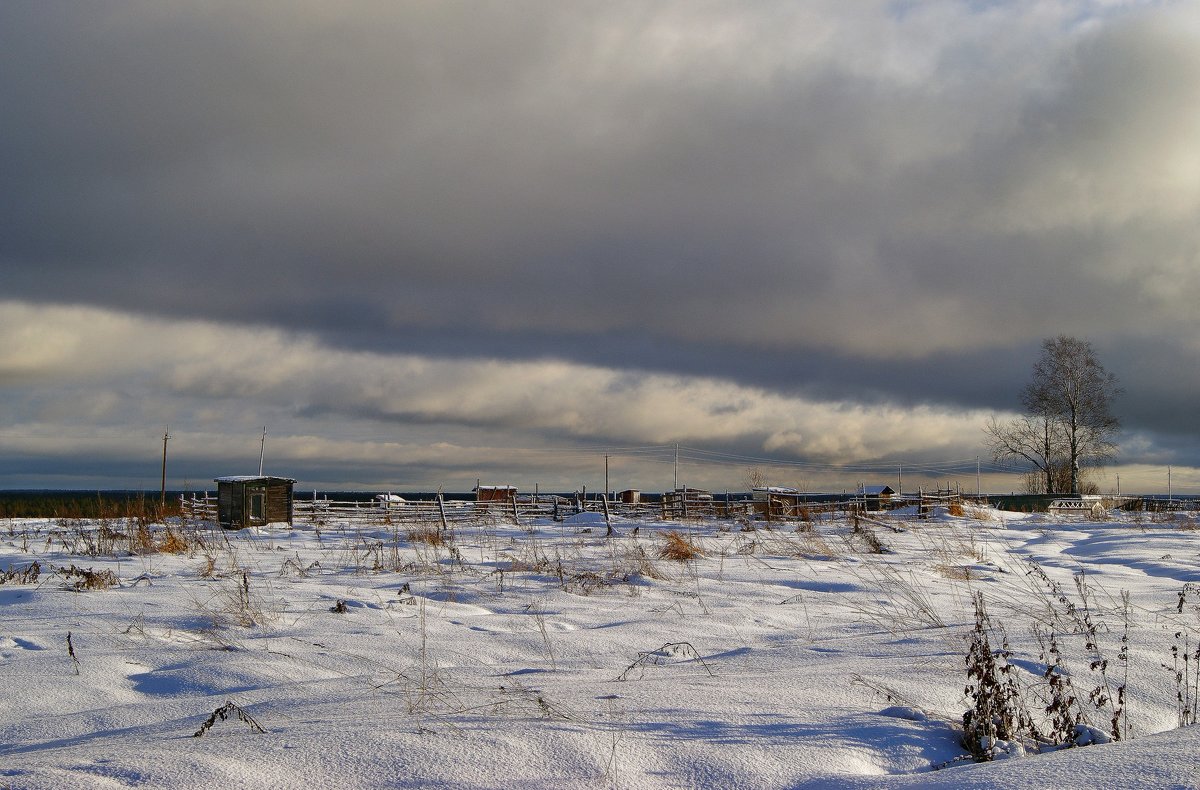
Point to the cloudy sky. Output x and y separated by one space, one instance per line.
425 243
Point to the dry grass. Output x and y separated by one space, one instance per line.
677 546
79 579
173 541
27 575
960 573
431 536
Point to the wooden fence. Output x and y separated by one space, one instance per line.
674 506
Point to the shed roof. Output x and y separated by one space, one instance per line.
251 479
876 490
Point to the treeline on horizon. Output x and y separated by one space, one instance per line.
88 504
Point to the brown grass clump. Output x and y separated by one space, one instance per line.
676 546
141 540
956 509
960 573
428 535
174 542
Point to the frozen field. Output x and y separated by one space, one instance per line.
555 655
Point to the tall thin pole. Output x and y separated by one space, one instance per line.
677 466
162 496
606 474
262 451
900 479
977 477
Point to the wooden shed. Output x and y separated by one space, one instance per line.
876 497
630 496
253 500
496 495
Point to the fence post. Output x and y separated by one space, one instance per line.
442 510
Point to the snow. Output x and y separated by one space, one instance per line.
551 655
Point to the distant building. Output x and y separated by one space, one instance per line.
772 502
498 495
876 497
687 502
253 500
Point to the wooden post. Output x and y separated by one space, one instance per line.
604 499
442 510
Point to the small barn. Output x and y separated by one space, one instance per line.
253 500
876 497
630 496
496 495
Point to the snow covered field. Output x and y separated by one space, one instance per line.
554 655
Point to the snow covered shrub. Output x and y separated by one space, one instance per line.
1185 663
630 562
998 723
27 575
1076 615
79 579
869 538
224 713
1062 704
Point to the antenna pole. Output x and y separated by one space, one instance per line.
162 496
262 451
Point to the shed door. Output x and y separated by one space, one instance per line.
258 505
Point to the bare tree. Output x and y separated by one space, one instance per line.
1035 439
1068 418
756 477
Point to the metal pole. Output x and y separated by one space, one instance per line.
262 451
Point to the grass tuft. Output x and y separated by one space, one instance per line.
677 546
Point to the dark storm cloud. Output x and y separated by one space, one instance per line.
866 202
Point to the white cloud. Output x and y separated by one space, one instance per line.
212 382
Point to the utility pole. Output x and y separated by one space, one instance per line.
606 474
900 479
677 466
162 496
977 477
262 451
